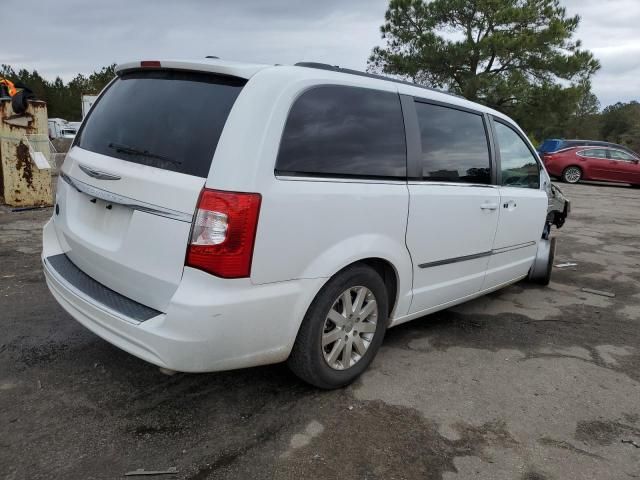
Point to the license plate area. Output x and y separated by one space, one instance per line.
102 223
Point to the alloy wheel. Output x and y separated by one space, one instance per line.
349 327
572 174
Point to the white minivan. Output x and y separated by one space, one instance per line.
214 215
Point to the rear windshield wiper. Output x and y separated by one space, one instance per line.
118 147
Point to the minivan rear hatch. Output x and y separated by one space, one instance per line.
130 184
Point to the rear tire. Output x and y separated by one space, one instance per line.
572 174
343 329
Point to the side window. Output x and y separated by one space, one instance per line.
344 131
594 153
454 145
518 165
618 155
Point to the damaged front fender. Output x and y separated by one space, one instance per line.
559 206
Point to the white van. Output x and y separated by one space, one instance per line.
60 128
215 215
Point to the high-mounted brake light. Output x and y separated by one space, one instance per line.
224 232
150 64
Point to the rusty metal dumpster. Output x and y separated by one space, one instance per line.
23 182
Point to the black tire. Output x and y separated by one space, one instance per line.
307 358
572 174
547 278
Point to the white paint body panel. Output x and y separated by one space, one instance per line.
519 224
137 254
446 222
211 323
308 230
311 229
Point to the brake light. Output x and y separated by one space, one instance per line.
224 232
150 64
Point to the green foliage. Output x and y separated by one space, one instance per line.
620 123
516 56
63 101
585 120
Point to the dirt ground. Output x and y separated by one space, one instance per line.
527 383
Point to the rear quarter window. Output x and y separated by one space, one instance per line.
165 119
346 132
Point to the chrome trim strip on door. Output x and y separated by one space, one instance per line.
455 260
450 184
512 247
300 178
114 198
474 256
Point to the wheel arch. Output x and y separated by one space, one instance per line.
387 255
387 272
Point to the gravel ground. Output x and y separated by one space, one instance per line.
526 383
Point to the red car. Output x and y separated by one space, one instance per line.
607 164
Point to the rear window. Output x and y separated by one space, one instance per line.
344 131
165 119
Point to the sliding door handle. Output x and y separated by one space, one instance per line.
489 206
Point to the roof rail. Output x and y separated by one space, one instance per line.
336 68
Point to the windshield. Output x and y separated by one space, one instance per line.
162 118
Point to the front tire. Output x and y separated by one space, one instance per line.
343 329
542 267
572 174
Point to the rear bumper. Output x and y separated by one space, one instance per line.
210 324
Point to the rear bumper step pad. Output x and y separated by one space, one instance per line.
98 292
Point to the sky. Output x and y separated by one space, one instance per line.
66 37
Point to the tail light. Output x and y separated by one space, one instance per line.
224 232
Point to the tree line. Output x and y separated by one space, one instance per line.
63 99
